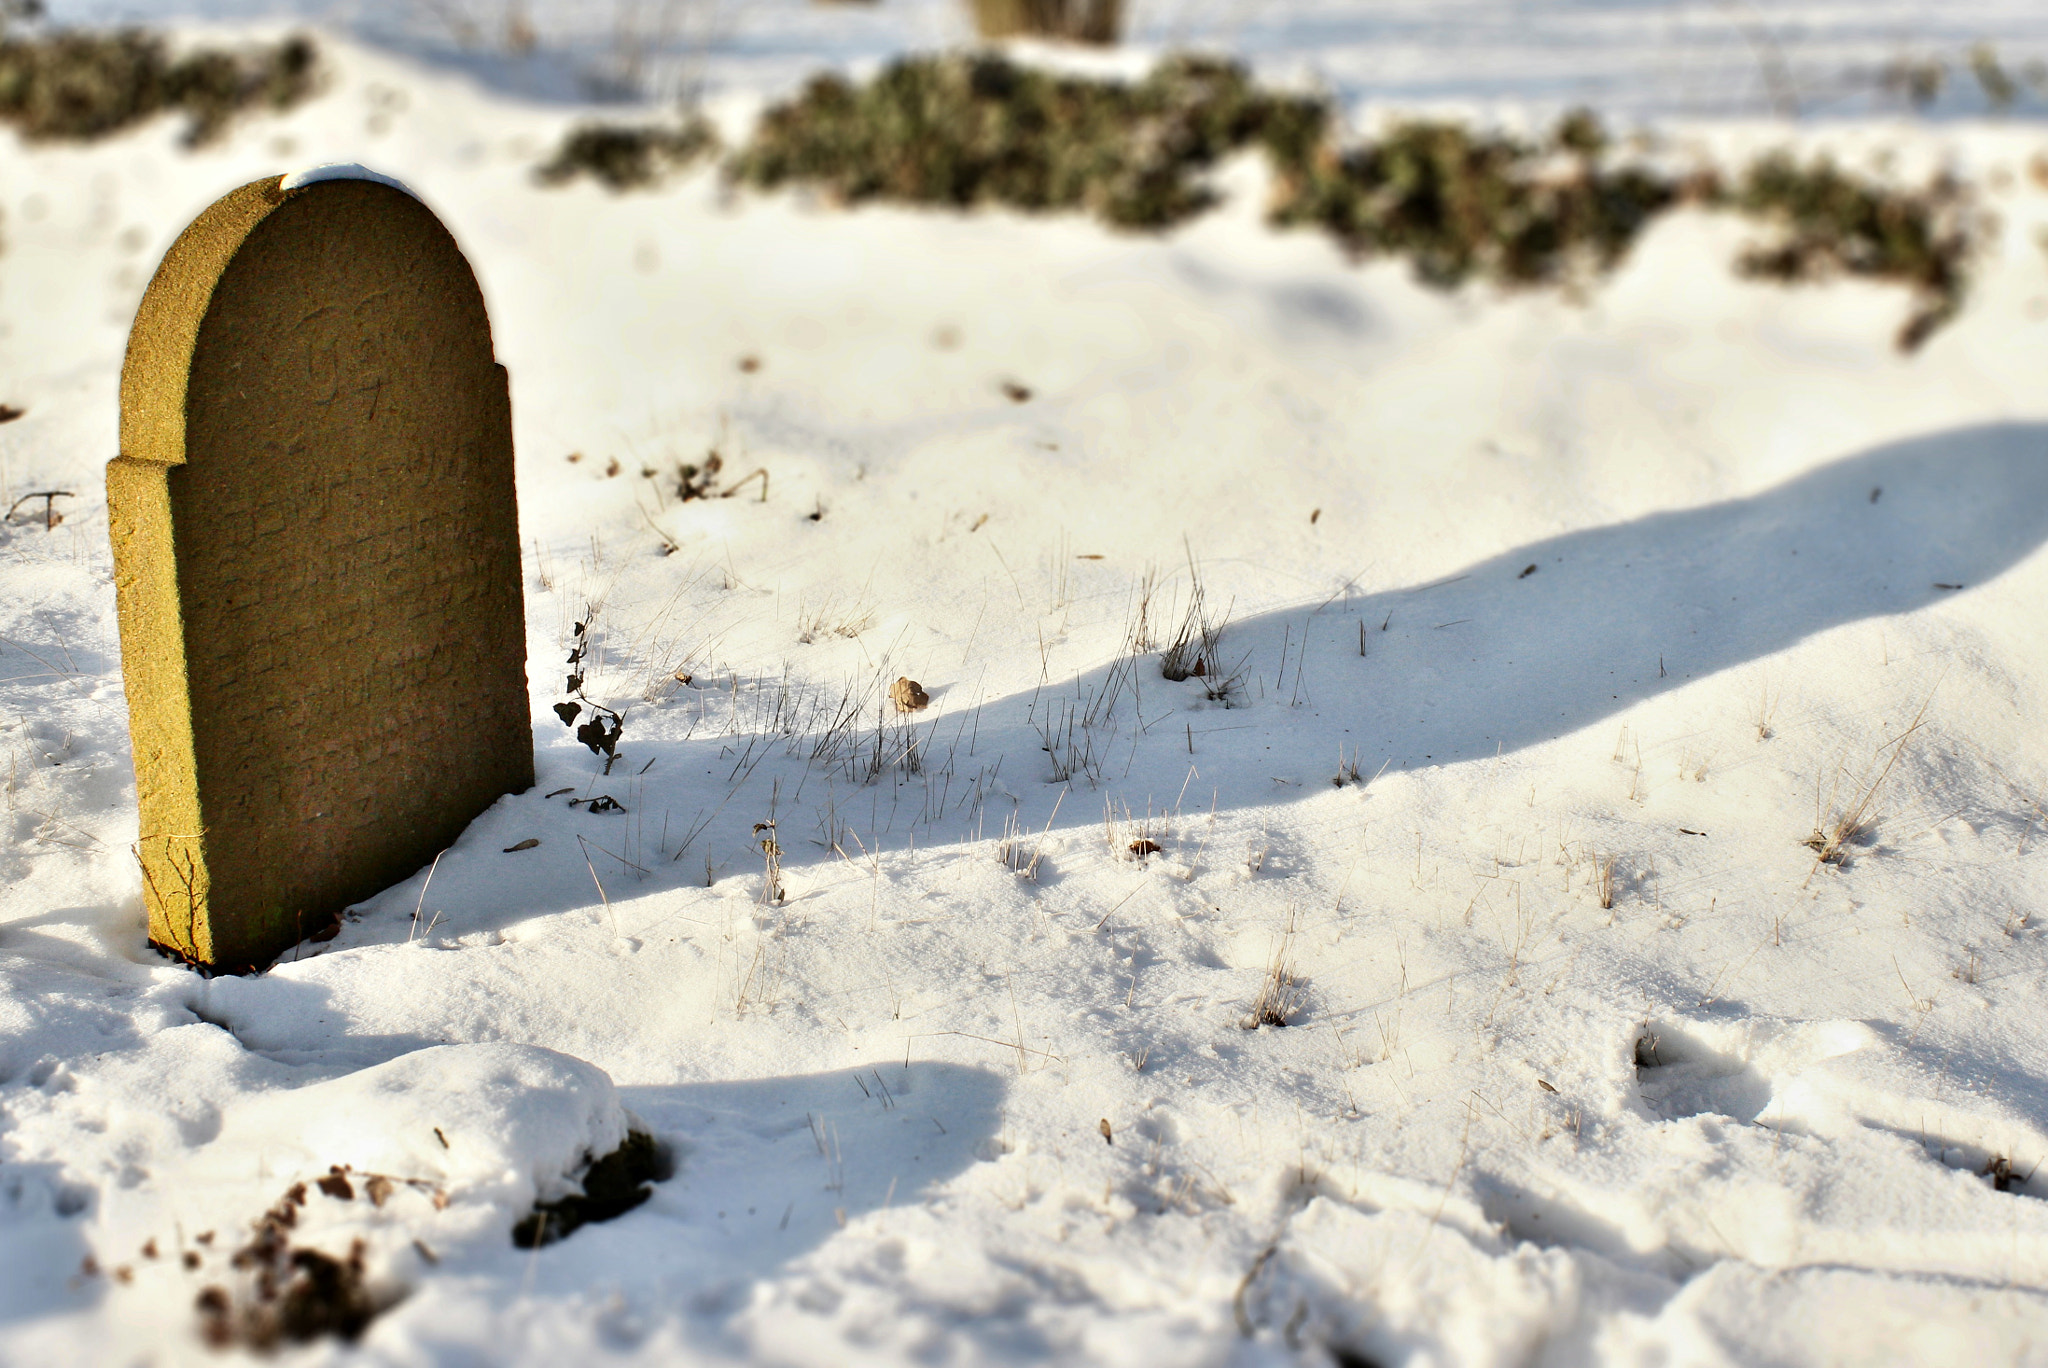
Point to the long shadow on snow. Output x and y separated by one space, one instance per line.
1489 660
1499 658
1552 636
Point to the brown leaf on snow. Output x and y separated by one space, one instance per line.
908 695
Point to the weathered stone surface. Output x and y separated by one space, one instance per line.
316 555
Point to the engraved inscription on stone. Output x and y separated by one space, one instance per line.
316 555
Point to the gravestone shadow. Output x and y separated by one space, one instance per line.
1487 661
1552 636
1555 635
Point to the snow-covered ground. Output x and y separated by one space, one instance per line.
1622 595
1628 58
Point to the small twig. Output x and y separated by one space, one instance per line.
1237 1303
736 485
423 897
600 885
1119 903
51 517
991 1040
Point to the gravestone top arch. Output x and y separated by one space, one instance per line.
316 563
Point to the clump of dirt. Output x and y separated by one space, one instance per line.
81 85
625 158
295 1293
612 1186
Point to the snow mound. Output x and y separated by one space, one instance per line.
315 1209
498 1123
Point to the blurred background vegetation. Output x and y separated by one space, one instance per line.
988 126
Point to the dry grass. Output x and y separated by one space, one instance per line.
1281 989
1603 880
830 619
1011 852
1851 825
1134 838
1196 649
1765 714
1351 770
771 853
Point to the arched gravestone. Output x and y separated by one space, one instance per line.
316 561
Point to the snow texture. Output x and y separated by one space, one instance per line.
1555 626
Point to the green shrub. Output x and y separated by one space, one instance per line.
963 130
624 158
78 85
1829 224
1460 204
966 130
975 129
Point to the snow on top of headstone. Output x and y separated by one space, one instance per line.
341 171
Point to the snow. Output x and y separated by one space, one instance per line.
1649 59
1742 1115
331 171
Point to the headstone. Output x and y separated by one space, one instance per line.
316 562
